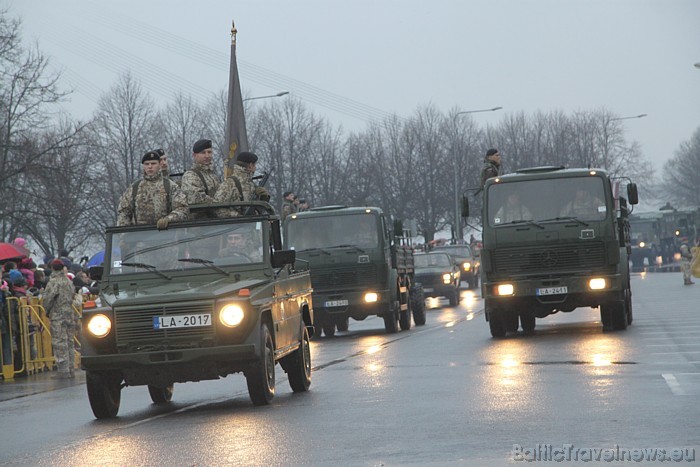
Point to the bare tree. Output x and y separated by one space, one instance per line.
681 179
183 124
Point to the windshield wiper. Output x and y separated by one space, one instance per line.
314 249
566 218
348 246
524 222
150 267
205 262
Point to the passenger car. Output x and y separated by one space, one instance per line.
466 260
439 275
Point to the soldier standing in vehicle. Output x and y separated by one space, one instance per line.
200 183
58 302
492 165
154 199
239 186
287 204
164 168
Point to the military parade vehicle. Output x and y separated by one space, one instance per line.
198 301
571 249
361 265
468 263
439 275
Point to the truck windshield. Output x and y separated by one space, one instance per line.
163 250
579 198
360 230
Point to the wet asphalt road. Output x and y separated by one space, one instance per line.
438 394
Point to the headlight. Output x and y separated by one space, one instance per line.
642 244
466 267
505 289
371 297
99 325
231 315
596 283
446 278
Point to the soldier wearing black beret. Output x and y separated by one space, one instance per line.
239 186
201 182
492 165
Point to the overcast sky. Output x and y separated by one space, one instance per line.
352 61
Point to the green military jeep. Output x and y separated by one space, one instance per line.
198 301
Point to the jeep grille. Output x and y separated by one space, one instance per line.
550 258
134 325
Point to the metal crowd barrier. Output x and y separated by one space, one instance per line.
30 351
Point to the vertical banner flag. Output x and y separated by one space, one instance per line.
236 136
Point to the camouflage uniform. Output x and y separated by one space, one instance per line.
489 170
287 208
151 202
686 260
228 191
197 192
58 302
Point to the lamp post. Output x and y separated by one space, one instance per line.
457 231
626 118
696 65
279 94
605 135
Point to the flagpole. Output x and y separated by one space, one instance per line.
235 135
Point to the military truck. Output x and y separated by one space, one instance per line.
198 301
570 250
361 265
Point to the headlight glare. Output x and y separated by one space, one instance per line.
597 283
466 267
99 325
231 315
371 297
505 289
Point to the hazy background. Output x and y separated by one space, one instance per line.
352 62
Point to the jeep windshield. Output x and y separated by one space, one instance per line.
461 251
577 199
187 247
359 230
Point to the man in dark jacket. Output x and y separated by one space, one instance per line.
492 165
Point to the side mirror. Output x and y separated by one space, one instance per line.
632 194
95 272
465 206
282 257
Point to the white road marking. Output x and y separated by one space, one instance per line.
673 384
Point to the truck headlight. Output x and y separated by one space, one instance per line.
446 278
231 315
466 267
371 297
505 289
99 325
597 283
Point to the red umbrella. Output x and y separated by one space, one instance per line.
12 251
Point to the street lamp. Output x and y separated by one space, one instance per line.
279 94
458 233
605 135
696 65
625 118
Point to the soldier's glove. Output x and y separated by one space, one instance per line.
262 193
162 223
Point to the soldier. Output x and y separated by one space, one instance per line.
58 302
164 169
584 205
513 210
200 183
152 199
686 259
239 186
492 165
303 205
288 204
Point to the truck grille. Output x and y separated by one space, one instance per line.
134 324
550 258
343 276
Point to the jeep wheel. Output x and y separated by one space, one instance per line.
104 393
260 378
454 297
391 319
161 395
418 304
299 364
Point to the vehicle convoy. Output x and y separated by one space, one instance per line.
198 301
657 235
361 265
439 275
570 251
467 261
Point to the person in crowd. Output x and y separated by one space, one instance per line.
287 204
39 279
58 302
512 211
686 260
492 165
152 199
200 183
239 186
27 267
6 326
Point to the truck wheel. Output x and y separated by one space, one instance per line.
497 325
329 328
299 364
527 322
405 319
104 394
510 321
418 304
454 297
343 324
606 317
261 377
161 395
619 316
391 321
628 301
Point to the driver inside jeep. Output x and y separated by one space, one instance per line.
238 244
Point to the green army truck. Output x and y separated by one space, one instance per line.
361 265
198 301
555 239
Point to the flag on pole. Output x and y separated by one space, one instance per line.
236 136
